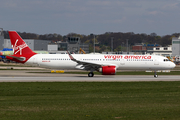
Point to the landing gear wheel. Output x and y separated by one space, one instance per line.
155 76
91 74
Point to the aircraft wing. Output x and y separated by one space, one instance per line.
85 65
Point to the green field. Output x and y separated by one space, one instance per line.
90 101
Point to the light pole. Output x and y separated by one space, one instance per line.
127 45
122 44
111 44
94 44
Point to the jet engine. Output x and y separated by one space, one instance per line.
108 70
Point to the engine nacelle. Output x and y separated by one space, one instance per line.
108 70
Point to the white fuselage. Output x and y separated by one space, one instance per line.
122 62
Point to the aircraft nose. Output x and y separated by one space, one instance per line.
173 65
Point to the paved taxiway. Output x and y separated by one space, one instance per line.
38 76
79 78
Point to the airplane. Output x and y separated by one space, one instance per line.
105 63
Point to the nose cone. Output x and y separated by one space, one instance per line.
172 65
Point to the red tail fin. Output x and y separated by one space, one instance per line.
18 45
22 52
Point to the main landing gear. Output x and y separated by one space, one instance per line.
90 74
155 74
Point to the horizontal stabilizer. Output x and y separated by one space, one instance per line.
18 58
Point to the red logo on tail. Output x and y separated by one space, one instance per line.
18 48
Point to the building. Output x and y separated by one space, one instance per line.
1 38
57 48
176 46
162 51
35 45
141 48
85 47
73 44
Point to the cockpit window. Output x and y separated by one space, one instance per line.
166 60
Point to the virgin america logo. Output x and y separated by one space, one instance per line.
18 48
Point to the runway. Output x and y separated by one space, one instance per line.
84 78
42 76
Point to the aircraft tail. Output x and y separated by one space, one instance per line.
18 44
21 50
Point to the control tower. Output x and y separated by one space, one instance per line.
73 44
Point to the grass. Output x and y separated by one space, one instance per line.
90 101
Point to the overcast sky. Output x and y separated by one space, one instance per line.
91 16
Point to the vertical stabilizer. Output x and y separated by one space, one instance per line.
18 44
21 50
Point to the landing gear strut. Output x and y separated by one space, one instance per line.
90 74
155 74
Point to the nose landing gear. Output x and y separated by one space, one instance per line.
155 74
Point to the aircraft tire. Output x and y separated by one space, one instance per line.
155 76
91 74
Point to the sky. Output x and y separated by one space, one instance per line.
91 16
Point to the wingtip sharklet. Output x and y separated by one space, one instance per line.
70 56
